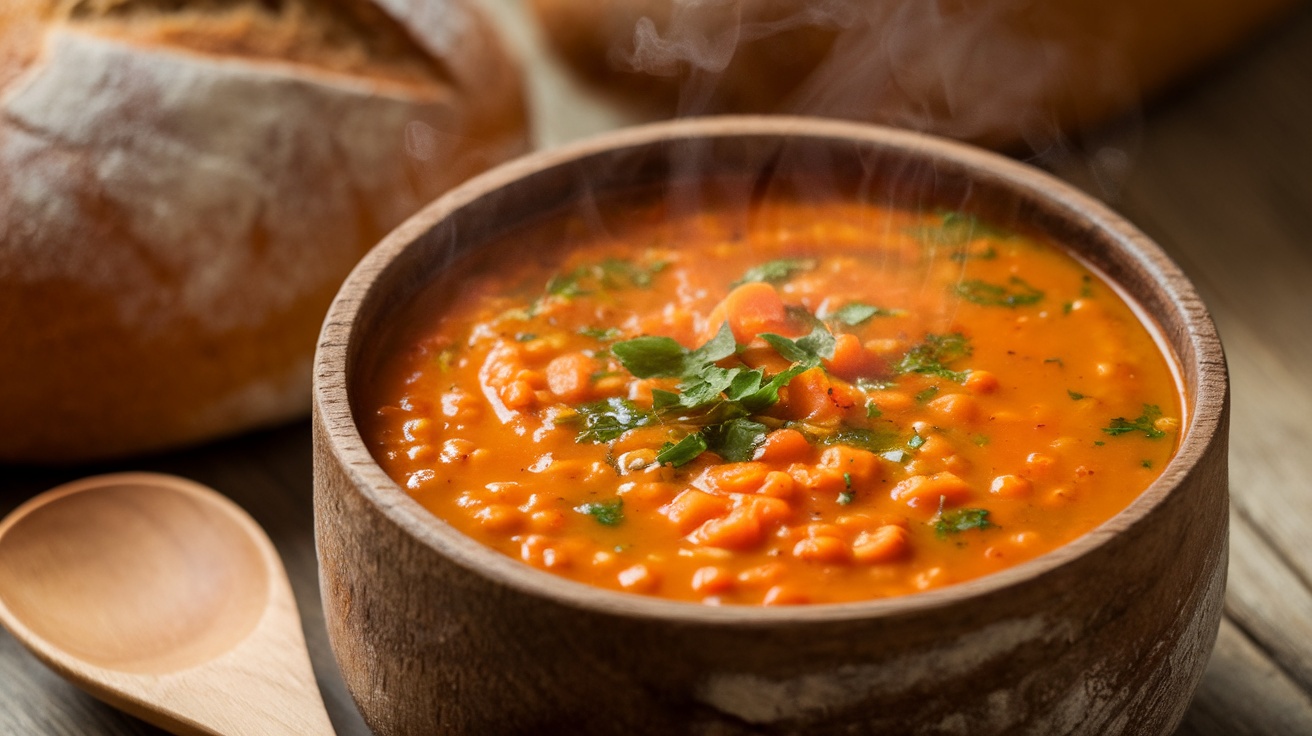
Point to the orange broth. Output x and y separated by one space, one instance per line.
935 400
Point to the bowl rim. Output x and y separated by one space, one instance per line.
1209 389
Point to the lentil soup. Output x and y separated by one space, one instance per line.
804 403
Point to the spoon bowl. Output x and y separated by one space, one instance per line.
163 598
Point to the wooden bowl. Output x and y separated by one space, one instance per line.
436 633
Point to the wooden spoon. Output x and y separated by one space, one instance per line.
163 598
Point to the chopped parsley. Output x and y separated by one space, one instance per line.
1147 464
1145 423
957 229
926 395
932 356
916 441
737 439
610 274
861 438
604 334
682 452
811 348
856 313
653 356
1075 395
1015 294
526 337
776 271
955 521
607 419
607 513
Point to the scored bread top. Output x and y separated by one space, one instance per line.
345 36
188 183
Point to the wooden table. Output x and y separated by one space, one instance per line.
1220 173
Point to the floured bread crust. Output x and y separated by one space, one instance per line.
174 218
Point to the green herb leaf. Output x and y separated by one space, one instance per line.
737 439
717 348
932 356
1145 423
809 349
916 441
926 395
956 229
775 272
1017 293
610 274
683 452
651 356
607 513
846 497
1075 396
955 521
855 313
607 419
605 334
525 337
872 410
861 438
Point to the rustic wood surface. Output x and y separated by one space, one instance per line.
1219 172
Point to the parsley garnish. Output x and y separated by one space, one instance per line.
652 356
957 229
1144 423
612 273
737 439
775 272
683 452
926 395
1075 395
916 441
607 419
1017 293
932 356
1147 464
955 521
525 337
811 348
607 513
855 313
860 438
601 333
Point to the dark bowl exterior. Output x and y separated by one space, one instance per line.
435 633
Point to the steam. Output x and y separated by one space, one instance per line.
1010 74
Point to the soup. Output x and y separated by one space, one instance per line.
807 402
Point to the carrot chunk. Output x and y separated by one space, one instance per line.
783 446
750 310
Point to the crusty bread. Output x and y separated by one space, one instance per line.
997 72
184 185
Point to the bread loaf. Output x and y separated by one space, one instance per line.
183 186
1002 73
